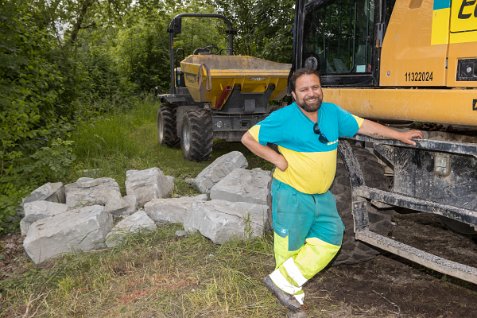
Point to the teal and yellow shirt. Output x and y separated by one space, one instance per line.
311 163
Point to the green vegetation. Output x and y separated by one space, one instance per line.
64 64
116 143
149 275
76 80
155 274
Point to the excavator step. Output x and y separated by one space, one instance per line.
442 265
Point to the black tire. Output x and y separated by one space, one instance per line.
197 135
166 126
353 251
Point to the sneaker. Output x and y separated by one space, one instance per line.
285 299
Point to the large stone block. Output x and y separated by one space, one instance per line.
38 210
173 210
53 192
243 185
133 223
127 205
148 184
222 221
88 191
77 230
218 169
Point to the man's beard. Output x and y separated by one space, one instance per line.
311 107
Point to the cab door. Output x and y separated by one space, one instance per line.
339 38
414 52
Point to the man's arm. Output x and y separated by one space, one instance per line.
264 152
373 129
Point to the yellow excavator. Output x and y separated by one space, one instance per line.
404 63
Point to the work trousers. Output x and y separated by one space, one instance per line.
308 233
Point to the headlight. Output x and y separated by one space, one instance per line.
467 70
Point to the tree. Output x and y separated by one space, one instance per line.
30 89
264 26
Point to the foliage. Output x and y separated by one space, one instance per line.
116 143
271 40
65 63
139 49
30 88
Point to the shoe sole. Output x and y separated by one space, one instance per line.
285 299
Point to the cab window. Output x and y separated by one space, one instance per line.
340 35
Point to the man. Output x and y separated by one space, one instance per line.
308 230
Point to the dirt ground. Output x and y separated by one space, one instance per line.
389 286
386 286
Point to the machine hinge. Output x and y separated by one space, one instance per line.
379 34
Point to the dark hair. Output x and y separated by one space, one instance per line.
300 72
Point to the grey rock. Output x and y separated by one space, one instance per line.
181 233
38 210
53 192
77 230
173 210
218 169
136 222
243 185
222 221
148 185
127 205
89 191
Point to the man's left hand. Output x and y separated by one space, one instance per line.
408 136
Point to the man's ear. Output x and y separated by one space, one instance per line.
293 94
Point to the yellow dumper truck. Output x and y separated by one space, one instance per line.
214 95
404 63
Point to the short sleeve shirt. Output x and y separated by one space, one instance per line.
311 163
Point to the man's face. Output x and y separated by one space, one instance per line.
308 94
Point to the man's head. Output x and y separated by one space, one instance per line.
306 89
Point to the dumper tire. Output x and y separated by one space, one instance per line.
197 135
353 251
166 126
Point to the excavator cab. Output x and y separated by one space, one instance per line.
338 38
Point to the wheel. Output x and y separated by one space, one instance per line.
353 251
166 126
197 135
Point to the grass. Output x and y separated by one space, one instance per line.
150 275
110 146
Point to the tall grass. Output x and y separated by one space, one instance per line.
109 146
150 275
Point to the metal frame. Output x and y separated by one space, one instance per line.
175 28
363 195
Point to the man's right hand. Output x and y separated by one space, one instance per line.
281 163
264 152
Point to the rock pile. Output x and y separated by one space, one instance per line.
81 216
